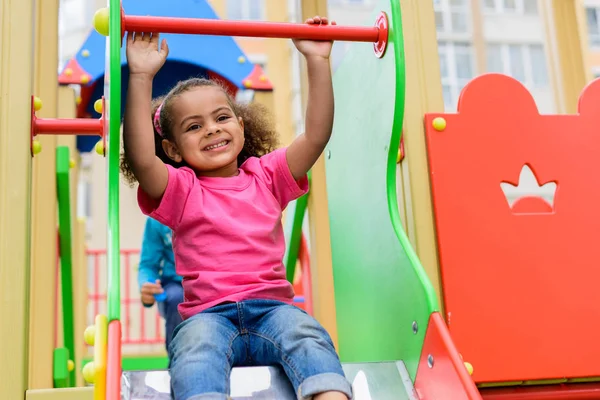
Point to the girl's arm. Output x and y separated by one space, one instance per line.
306 148
144 61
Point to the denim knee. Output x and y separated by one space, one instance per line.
293 339
201 356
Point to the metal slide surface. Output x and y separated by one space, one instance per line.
370 381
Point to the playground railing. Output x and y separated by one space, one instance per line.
143 329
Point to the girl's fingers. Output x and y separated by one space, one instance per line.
164 48
154 37
318 20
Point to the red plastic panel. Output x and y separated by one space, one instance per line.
441 373
576 391
521 283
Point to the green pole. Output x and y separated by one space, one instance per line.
66 255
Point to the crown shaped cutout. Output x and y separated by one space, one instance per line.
528 196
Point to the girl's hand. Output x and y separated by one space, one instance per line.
315 47
143 55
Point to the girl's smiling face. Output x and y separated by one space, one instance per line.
208 135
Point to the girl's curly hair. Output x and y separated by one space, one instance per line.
259 131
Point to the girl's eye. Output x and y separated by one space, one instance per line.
223 118
193 127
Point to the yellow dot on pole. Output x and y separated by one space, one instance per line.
100 148
89 370
89 334
98 106
37 103
36 147
100 21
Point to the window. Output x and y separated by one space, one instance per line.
538 66
593 14
530 7
526 63
523 7
456 69
452 16
494 58
510 5
245 10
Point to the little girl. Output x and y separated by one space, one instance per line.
214 178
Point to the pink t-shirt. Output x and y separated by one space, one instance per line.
227 233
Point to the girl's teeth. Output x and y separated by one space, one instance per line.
214 146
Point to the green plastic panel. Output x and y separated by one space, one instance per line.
112 96
382 293
60 371
140 363
66 254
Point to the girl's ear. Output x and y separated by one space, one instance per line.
171 150
241 121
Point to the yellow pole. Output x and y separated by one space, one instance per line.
567 50
16 73
424 89
43 204
279 68
320 241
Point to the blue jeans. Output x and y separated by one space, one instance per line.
168 308
252 333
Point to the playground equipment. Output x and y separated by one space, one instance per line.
377 273
401 339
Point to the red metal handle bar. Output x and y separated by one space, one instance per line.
282 30
68 126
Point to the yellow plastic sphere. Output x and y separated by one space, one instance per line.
241 59
98 106
78 100
36 147
88 372
70 365
469 368
439 124
101 21
248 83
262 78
37 103
68 71
72 163
85 53
100 148
89 335
85 79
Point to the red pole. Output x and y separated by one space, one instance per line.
68 126
282 30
